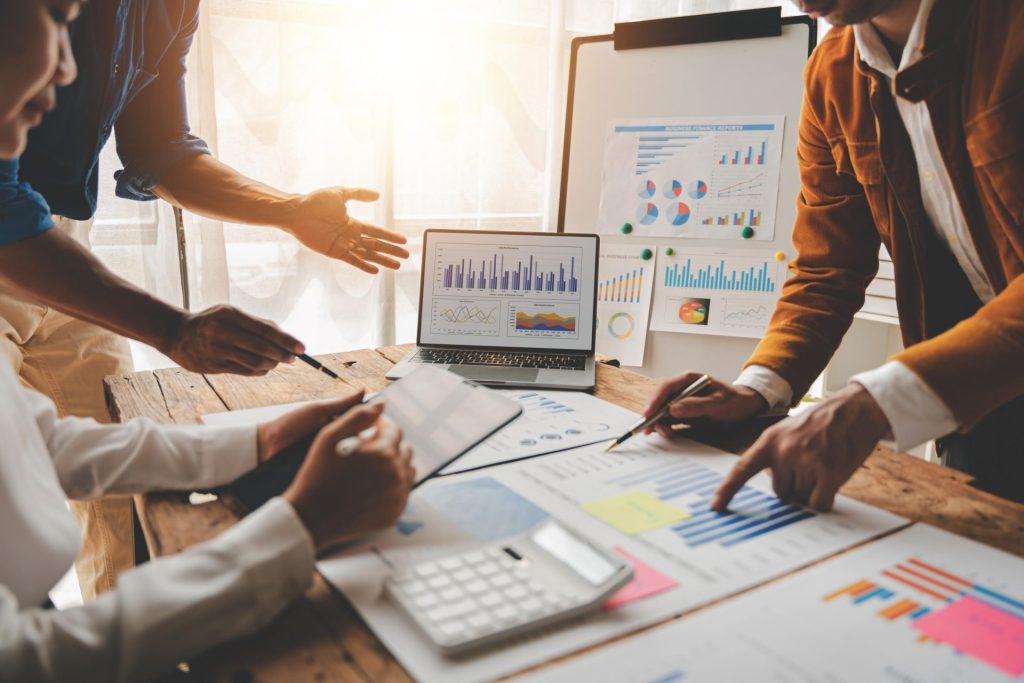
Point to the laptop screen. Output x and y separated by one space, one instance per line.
508 290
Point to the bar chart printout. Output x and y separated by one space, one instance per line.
636 500
846 620
736 291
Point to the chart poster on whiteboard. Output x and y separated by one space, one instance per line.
696 177
625 282
708 291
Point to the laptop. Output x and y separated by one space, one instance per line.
510 309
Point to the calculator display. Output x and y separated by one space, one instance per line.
572 552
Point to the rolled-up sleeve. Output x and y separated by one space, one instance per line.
153 132
23 211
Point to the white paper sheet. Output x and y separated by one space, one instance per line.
791 631
706 177
551 421
625 282
703 561
251 416
708 291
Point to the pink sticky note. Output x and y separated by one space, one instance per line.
646 581
980 630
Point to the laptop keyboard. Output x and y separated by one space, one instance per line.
546 361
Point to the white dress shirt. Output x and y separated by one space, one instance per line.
915 412
162 612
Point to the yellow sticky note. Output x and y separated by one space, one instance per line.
635 512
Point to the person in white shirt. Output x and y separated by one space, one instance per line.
172 608
911 136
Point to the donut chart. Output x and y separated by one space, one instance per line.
621 325
677 213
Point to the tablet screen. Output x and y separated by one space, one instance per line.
442 416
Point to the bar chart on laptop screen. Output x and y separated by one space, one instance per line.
507 294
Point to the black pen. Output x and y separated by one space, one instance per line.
643 424
317 365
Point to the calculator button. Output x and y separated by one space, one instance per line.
487 568
427 569
446 612
490 599
413 587
450 563
521 574
477 586
426 600
535 586
438 582
480 620
463 575
474 557
495 554
501 580
552 598
453 593
506 613
531 606
452 628
515 592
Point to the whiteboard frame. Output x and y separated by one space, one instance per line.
670 352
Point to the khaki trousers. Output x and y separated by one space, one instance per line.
66 359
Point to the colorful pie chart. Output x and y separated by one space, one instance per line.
648 214
677 213
647 189
674 190
693 313
697 189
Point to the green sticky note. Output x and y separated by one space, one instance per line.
635 512
747 233
646 254
626 228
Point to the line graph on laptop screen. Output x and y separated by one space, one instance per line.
508 290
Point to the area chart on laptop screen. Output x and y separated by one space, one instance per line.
508 293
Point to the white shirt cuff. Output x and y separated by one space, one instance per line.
916 414
227 453
770 384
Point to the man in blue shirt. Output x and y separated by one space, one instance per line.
131 58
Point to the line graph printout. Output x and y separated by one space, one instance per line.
508 290
704 291
647 500
625 283
702 177
863 616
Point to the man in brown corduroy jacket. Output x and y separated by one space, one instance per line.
912 136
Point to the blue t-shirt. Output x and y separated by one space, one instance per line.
131 64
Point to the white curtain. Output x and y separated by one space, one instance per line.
453 109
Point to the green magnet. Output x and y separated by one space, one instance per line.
747 233
669 251
626 228
646 254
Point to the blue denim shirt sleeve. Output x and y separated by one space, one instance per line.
23 211
153 131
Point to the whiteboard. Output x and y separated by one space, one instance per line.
702 79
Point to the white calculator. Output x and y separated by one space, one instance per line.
498 591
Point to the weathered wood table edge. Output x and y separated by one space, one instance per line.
321 637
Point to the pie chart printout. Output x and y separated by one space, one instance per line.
647 189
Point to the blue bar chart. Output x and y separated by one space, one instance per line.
751 514
720 276
470 269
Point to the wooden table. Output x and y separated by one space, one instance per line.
320 637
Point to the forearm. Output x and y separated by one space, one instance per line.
86 289
205 186
167 610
